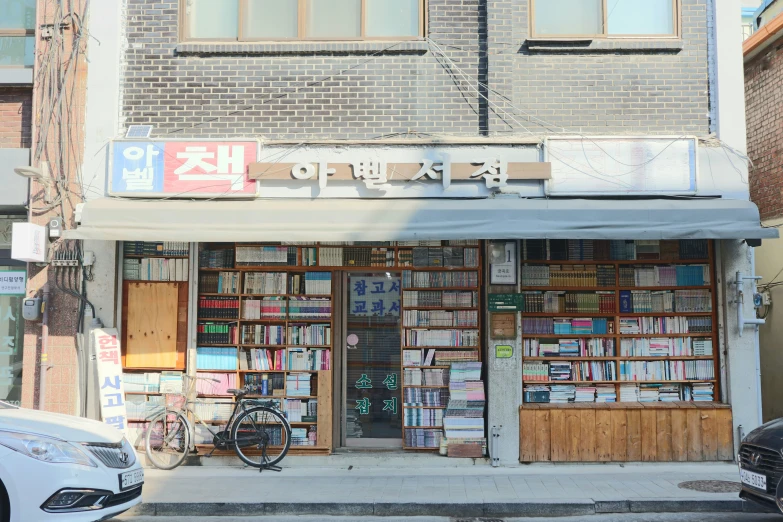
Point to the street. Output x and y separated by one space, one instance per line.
651 517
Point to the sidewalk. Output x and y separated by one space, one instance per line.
469 490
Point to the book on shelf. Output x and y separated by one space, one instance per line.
664 347
266 256
275 308
217 333
425 279
155 269
311 283
309 308
665 275
440 298
569 347
309 359
423 438
569 275
665 325
264 384
298 384
446 357
144 382
218 307
144 408
424 318
262 359
418 357
613 250
425 377
265 283
310 335
216 258
213 358
667 370
425 397
267 334
423 337
297 410
219 283
575 326
156 248
413 417
215 383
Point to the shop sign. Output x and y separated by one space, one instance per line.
494 171
188 169
504 351
506 302
375 296
503 263
13 283
112 392
28 243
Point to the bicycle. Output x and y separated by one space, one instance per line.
259 433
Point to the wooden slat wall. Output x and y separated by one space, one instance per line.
633 432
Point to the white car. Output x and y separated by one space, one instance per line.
58 467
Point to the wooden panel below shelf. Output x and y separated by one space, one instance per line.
155 325
325 409
626 432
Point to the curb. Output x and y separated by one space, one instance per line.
521 509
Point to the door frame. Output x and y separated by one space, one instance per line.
342 385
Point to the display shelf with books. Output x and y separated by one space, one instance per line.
614 314
441 335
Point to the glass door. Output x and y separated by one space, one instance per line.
373 396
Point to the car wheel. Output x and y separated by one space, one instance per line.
5 504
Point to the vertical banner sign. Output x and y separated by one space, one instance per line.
375 295
112 392
195 169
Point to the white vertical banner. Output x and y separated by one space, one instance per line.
108 356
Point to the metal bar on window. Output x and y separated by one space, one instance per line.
240 23
363 18
302 18
605 18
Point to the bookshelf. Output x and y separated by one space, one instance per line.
624 321
265 324
441 325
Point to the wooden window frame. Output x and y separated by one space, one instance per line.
185 36
676 21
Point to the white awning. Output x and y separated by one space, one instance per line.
308 221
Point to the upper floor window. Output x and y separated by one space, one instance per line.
264 20
604 18
17 33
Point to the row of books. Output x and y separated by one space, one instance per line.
673 325
568 302
411 279
140 407
619 250
210 358
262 359
217 333
569 348
265 283
445 298
423 417
566 326
602 393
448 357
215 383
313 283
685 301
218 258
264 384
419 318
301 411
418 357
266 308
425 397
266 256
310 335
422 438
298 385
155 269
674 275
309 308
450 256
146 382
263 334
156 248
309 359
420 337
569 275
218 307
667 370
219 283
666 347
425 377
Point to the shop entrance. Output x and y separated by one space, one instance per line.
372 354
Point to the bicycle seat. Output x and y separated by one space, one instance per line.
236 393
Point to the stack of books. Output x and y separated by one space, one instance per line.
605 393
703 392
648 392
463 421
629 393
562 393
298 385
585 394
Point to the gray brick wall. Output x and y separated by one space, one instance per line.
355 91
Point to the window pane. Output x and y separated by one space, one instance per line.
334 18
213 18
392 18
17 14
271 19
635 17
569 17
17 50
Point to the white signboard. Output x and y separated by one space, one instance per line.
28 243
112 392
13 283
503 270
597 166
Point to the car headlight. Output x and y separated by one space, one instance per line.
45 449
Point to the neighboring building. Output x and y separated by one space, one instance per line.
763 80
749 8
311 154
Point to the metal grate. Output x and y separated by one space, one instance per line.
118 456
770 463
122 498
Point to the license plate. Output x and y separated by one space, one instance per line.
753 479
131 478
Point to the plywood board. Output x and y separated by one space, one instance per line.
325 409
527 435
603 435
558 435
725 428
664 442
634 435
679 435
543 434
152 324
693 421
587 450
619 435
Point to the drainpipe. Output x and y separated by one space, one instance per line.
44 366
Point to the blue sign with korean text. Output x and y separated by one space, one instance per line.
137 166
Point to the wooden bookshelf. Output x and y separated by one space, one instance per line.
535 271
410 323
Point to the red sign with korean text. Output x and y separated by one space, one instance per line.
208 167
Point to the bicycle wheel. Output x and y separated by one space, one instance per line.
167 443
261 437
